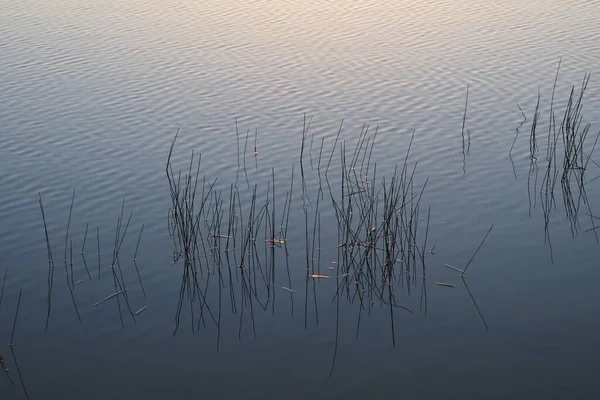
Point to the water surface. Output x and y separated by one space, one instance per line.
92 95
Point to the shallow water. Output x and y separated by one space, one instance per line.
92 95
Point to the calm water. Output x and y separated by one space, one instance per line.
92 94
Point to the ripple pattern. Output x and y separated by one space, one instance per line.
92 93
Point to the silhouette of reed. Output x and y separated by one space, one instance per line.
119 282
3 284
233 245
568 155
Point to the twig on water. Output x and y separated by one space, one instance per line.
141 310
454 268
108 297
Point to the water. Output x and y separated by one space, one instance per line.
93 94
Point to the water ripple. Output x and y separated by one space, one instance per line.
93 92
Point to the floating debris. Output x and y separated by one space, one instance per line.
275 241
108 297
454 268
141 310
3 364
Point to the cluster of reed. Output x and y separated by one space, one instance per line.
378 225
116 269
228 239
4 363
568 156
234 244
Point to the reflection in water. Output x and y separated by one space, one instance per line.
87 225
231 242
50 264
119 282
89 91
463 272
234 240
3 284
15 359
70 282
515 140
3 363
568 154
464 281
465 154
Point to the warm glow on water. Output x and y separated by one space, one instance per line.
91 94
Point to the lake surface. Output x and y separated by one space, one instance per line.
92 95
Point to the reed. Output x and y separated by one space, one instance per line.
16 360
464 281
14 327
137 270
3 284
462 134
98 247
70 284
231 241
83 252
476 251
568 154
50 264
